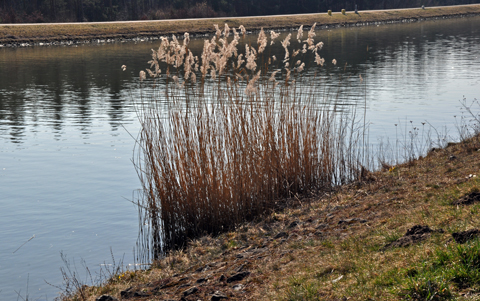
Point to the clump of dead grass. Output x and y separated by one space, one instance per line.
230 133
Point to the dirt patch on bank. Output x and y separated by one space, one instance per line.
464 236
469 199
414 235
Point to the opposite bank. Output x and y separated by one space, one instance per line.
24 35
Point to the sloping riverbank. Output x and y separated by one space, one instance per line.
406 232
15 35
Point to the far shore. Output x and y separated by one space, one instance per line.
14 35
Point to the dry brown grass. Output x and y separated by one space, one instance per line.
228 147
122 30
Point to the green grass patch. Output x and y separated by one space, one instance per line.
438 277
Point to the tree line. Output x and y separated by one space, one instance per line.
38 11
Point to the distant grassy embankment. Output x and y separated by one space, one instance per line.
35 33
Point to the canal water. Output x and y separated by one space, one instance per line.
67 118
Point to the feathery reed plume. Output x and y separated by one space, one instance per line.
226 31
300 34
285 44
273 36
311 34
142 75
251 55
295 53
304 48
261 41
301 67
218 32
320 61
242 30
224 150
186 38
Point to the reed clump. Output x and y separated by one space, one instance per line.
226 136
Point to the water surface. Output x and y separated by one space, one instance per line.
66 115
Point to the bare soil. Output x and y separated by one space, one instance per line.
416 234
464 236
468 199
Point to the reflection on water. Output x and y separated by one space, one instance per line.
47 86
66 114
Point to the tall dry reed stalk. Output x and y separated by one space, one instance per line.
230 139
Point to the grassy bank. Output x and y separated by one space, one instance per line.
337 246
35 33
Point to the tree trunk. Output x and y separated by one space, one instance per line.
79 10
53 10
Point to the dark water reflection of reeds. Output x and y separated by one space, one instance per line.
73 82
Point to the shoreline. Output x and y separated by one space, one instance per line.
363 236
26 35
